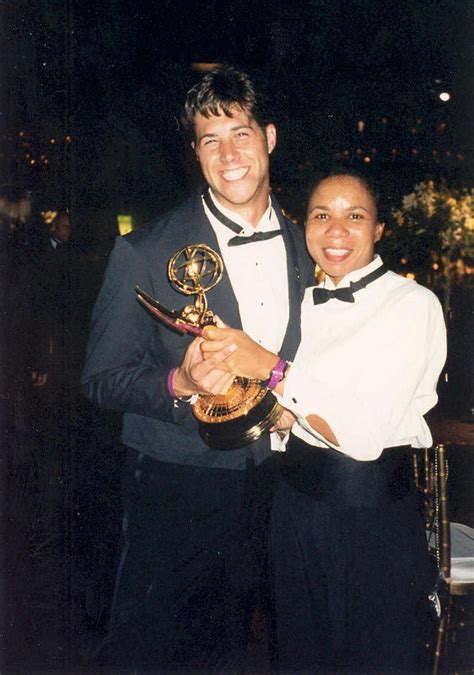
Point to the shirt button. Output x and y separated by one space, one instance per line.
294 400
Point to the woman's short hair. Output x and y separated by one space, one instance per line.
365 178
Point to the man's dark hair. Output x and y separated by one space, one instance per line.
218 92
60 213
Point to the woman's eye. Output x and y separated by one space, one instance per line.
356 216
321 216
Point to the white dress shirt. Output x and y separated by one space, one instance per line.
368 368
258 274
259 277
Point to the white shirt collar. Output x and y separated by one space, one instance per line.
355 275
267 222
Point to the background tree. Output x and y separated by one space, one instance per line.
432 236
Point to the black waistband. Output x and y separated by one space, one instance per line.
330 475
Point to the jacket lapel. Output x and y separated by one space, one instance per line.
221 298
295 288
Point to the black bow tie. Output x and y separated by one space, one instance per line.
236 241
321 295
256 236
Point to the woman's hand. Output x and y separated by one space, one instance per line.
248 359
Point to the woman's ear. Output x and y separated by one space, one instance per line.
379 228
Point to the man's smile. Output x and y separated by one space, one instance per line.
235 174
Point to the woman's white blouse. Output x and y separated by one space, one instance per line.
369 368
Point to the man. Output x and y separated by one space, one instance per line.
60 229
57 272
188 571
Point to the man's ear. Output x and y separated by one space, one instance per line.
271 136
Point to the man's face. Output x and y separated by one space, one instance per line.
233 154
61 229
341 226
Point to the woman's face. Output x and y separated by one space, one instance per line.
341 226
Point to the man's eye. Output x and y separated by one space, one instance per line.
242 134
210 141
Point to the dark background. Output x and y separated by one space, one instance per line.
106 80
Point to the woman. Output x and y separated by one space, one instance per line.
351 566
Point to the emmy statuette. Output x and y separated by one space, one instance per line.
247 410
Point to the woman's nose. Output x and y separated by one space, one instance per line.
337 228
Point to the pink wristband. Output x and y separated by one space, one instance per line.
169 383
277 374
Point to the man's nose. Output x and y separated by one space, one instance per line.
228 150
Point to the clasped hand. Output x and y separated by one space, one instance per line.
244 357
241 355
212 362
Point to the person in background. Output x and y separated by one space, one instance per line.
53 268
60 229
352 570
188 573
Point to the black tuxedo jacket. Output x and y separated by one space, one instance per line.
130 353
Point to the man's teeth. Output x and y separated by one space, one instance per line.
235 174
337 251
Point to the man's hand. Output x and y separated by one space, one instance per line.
198 376
248 359
285 422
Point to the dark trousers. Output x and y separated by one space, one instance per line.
352 571
193 551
